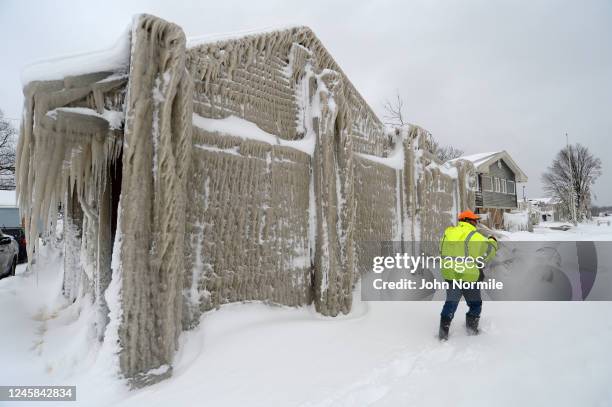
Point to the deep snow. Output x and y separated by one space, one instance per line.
382 354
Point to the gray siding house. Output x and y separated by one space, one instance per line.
9 211
496 176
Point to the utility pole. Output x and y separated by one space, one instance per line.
571 191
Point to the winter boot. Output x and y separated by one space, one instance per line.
471 323
444 327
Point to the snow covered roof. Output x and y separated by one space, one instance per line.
113 59
482 161
116 58
476 159
240 35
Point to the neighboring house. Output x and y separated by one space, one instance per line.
545 209
497 175
10 221
9 211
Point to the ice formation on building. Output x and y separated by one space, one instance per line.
195 174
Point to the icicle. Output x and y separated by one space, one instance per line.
58 153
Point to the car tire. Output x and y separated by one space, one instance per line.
13 266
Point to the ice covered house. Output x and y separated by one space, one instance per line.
496 175
221 169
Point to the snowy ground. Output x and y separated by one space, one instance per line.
584 231
382 354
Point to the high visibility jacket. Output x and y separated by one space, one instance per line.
460 242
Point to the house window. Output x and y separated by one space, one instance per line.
487 185
503 186
511 188
497 184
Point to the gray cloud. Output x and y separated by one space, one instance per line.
480 75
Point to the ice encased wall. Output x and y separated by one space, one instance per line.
157 151
285 214
248 223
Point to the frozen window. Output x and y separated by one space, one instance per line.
497 184
503 186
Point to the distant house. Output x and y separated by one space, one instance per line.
9 211
496 177
546 209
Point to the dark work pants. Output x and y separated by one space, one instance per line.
453 295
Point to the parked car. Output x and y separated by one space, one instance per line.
19 234
9 252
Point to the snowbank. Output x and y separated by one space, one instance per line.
516 221
49 341
381 354
546 232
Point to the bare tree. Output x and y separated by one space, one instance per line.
569 179
394 111
395 116
8 136
445 153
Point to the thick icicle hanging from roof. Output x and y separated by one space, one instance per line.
62 147
57 155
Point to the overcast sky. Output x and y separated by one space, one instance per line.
480 75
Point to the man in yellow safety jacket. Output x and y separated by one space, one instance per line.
460 244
